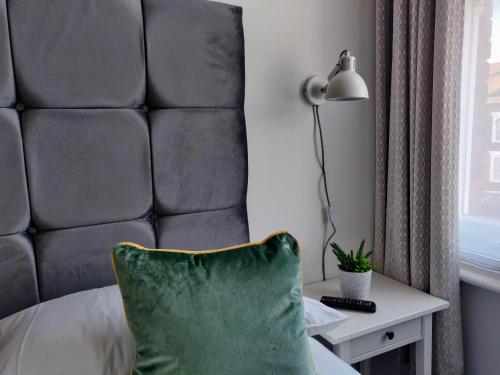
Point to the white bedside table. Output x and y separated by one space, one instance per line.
403 313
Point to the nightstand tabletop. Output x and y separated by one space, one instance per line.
396 303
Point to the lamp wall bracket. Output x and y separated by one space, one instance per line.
314 90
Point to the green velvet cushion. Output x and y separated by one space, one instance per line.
232 311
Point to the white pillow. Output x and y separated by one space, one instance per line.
321 318
86 333
81 333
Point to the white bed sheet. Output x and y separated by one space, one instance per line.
86 333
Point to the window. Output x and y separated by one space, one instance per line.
495 127
480 135
495 166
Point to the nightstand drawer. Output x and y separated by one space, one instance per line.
389 336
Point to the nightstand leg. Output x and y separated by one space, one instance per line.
423 348
365 367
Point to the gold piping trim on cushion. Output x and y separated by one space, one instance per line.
139 247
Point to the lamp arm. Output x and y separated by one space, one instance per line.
336 69
334 72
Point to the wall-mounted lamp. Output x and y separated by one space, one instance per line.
342 84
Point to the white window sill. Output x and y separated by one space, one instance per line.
480 276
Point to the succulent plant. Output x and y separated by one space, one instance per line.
350 262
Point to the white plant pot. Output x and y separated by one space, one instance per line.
355 285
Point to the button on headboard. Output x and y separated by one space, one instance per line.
120 120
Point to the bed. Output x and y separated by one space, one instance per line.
120 121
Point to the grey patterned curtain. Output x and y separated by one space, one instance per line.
418 66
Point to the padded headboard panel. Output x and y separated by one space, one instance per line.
120 120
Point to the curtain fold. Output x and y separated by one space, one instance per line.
418 68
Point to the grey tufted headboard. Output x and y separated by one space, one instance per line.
120 120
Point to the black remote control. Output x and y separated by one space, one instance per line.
349 304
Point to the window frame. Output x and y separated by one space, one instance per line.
494 155
495 127
477 248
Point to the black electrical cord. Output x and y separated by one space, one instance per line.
323 168
317 121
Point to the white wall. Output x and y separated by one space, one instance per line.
481 329
287 41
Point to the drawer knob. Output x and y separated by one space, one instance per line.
389 335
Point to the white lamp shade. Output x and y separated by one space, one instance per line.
346 85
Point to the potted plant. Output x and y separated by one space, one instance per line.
355 272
